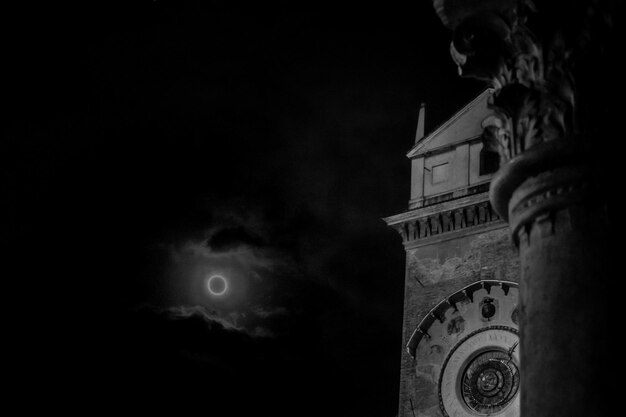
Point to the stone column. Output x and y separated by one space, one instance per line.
553 200
553 193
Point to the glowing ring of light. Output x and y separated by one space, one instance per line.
220 292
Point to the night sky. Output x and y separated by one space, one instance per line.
148 145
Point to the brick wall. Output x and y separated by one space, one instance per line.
435 271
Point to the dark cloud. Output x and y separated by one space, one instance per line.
256 275
320 352
232 320
231 238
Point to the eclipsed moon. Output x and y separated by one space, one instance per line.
217 285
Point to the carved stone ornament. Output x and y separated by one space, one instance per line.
533 99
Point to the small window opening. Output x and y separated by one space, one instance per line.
489 162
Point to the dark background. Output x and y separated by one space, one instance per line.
271 141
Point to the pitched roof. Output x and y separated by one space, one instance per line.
464 124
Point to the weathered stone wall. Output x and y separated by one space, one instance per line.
435 271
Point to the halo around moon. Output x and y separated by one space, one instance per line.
214 287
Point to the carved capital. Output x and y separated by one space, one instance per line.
529 55
534 97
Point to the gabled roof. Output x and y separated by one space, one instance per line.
465 124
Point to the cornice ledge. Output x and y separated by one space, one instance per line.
443 219
436 208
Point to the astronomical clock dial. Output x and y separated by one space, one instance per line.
480 376
469 345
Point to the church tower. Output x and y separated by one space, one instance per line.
460 325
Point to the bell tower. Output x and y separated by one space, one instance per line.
460 325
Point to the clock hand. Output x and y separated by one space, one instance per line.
510 352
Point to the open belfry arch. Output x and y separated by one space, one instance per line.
460 321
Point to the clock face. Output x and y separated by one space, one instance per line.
480 376
467 352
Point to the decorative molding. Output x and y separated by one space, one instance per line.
448 147
439 206
558 219
446 221
449 195
465 293
538 201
